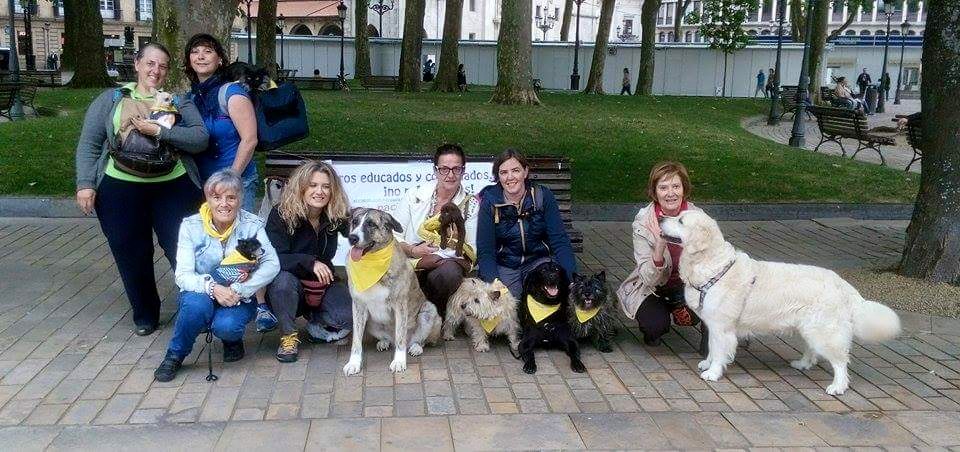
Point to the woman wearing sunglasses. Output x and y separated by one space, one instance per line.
654 291
419 212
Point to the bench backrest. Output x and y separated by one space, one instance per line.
380 80
788 95
840 121
552 172
313 82
7 91
915 131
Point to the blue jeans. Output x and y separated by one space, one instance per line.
250 191
197 312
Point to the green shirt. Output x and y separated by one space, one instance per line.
115 172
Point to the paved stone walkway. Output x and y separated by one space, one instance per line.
897 156
73 376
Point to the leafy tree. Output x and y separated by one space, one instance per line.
411 46
175 21
595 81
267 41
514 56
722 25
648 31
83 44
446 79
361 39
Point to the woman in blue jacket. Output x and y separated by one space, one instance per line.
519 225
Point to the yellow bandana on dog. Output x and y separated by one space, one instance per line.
490 324
538 310
585 315
206 216
370 268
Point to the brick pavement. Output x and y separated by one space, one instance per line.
72 374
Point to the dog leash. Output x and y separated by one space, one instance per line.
209 341
706 286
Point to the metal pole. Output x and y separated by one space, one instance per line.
16 110
797 138
380 12
342 79
886 48
575 76
249 38
281 47
774 117
903 40
30 58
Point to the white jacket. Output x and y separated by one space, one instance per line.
415 206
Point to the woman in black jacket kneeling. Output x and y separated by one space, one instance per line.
303 229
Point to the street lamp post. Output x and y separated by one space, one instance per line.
46 42
797 138
380 8
575 76
280 24
249 34
774 117
342 14
904 28
888 12
16 110
545 21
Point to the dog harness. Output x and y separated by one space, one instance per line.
706 286
584 316
538 310
490 324
365 272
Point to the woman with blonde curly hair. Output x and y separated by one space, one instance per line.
303 229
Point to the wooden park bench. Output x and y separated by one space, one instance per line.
315 83
42 78
915 137
380 82
552 172
789 101
8 92
836 124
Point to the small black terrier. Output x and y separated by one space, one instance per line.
591 313
252 77
544 316
233 270
249 248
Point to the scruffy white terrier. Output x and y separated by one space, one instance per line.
486 310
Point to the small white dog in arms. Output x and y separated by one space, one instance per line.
387 300
486 310
739 297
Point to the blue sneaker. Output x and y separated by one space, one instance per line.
266 321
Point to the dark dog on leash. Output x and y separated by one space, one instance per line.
591 313
544 316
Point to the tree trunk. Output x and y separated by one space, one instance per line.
723 91
567 20
514 56
648 30
177 20
267 36
796 20
412 46
84 44
682 6
446 79
595 82
361 40
932 250
818 40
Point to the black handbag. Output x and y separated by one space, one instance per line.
144 156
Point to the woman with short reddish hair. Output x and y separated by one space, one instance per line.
653 290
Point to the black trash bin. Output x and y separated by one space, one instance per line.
871 98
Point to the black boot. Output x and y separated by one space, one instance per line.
168 368
232 351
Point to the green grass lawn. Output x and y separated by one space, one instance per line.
612 141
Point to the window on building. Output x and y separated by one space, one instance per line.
472 36
767 12
837 16
688 36
628 27
670 8
144 9
865 33
661 15
473 5
851 33
897 12
17 8
108 9
661 37
913 11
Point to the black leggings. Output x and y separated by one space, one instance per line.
653 316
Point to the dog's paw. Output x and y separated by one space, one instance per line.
703 365
352 367
711 374
448 336
530 368
415 349
399 364
836 389
801 364
577 366
482 347
383 346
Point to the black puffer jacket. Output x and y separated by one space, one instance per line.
298 251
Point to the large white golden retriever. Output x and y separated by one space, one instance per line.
737 296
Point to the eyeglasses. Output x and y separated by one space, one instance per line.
444 170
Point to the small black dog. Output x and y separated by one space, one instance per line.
591 313
237 266
252 77
544 316
249 248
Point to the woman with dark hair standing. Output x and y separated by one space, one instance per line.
233 132
131 207
519 226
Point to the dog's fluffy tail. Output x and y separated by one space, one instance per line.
874 322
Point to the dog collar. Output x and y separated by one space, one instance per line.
706 286
538 310
583 316
490 324
365 272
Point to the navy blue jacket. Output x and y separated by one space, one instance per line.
508 239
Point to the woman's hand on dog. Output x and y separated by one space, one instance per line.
85 199
324 275
146 127
422 249
226 296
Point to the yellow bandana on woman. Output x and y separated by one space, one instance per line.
585 315
538 310
489 324
206 215
370 268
